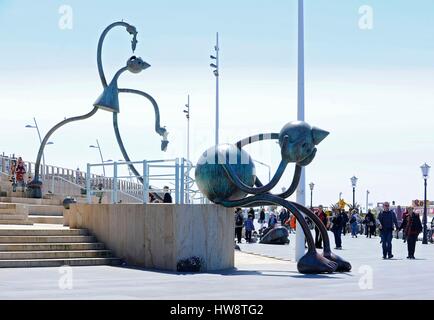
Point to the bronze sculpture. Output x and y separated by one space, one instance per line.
108 101
226 175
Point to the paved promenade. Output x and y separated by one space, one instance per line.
256 277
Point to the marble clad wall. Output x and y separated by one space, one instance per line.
159 235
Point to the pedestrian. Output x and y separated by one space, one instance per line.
412 227
345 220
322 216
251 213
354 223
369 224
249 228
20 171
239 222
293 223
404 235
272 221
388 221
337 224
167 197
100 193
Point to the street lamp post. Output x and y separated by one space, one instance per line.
187 115
367 202
425 173
40 141
100 153
216 71
354 183
340 196
311 185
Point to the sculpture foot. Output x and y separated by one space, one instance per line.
315 263
35 189
343 265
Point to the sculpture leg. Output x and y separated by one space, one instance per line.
343 266
36 184
121 146
312 262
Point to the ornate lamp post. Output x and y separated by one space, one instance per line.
425 173
216 72
311 185
354 184
367 202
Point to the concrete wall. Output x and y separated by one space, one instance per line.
159 235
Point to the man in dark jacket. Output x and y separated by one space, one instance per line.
167 196
412 227
239 223
337 222
388 221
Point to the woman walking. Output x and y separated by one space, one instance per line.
369 224
412 228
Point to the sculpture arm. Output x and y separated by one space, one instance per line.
131 30
48 135
161 131
257 138
242 186
292 188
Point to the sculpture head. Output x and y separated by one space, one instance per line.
136 65
212 179
297 141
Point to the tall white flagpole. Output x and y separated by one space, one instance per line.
301 194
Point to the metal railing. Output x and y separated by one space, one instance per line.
175 173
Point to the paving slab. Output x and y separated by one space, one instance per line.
255 277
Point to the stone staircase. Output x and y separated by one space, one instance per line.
14 214
52 248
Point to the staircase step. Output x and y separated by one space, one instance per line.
59 262
16 222
13 216
51 246
46 239
48 232
46 210
32 201
46 219
64 254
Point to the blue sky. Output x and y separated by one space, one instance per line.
373 89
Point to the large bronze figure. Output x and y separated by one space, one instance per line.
109 101
226 175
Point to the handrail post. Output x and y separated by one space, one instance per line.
177 181
115 183
182 180
88 191
145 181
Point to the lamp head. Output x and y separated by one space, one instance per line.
354 181
425 170
136 65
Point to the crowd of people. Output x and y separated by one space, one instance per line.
339 223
